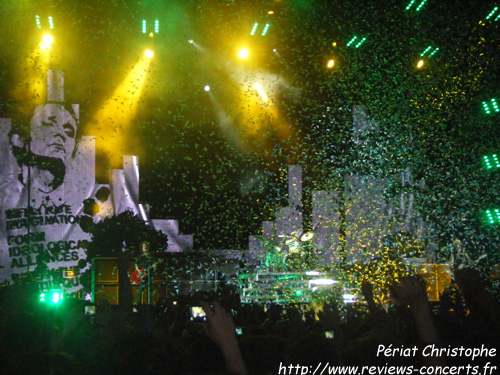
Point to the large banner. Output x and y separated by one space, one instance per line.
47 179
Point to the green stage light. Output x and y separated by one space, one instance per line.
421 5
354 39
351 41
256 26
266 27
494 106
491 161
418 7
360 43
427 50
157 26
433 52
493 216
492 13
39 22
55 297
486 108
409 5
298 292
254 29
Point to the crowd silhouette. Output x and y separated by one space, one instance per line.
247 338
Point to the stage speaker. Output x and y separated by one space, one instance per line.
104 270
159 291
106 291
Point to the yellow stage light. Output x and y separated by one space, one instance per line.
149 53
420 64
261 92
331 63
46 42
243 53
112 123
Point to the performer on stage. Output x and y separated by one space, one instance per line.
144 267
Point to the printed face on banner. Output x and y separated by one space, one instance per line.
48 191
43 185
53 131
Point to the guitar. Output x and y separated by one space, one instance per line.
137 276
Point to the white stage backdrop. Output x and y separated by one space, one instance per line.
45 178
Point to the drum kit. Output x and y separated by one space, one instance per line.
296 254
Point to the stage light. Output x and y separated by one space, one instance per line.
270 12
491 161
54 296
323 282
351 41
349 298
261 92
409 5
330 63
144 27
207 88
492 13
243 53
486 108
298 293
494 106
420 64
357 45
493 216
149 54
266 27
114 118
427 50
360 43
191 41
157 26
46 41
418 7
39 22
256 26
312 273
421 5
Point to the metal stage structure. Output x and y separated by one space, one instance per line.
182 275
288 287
